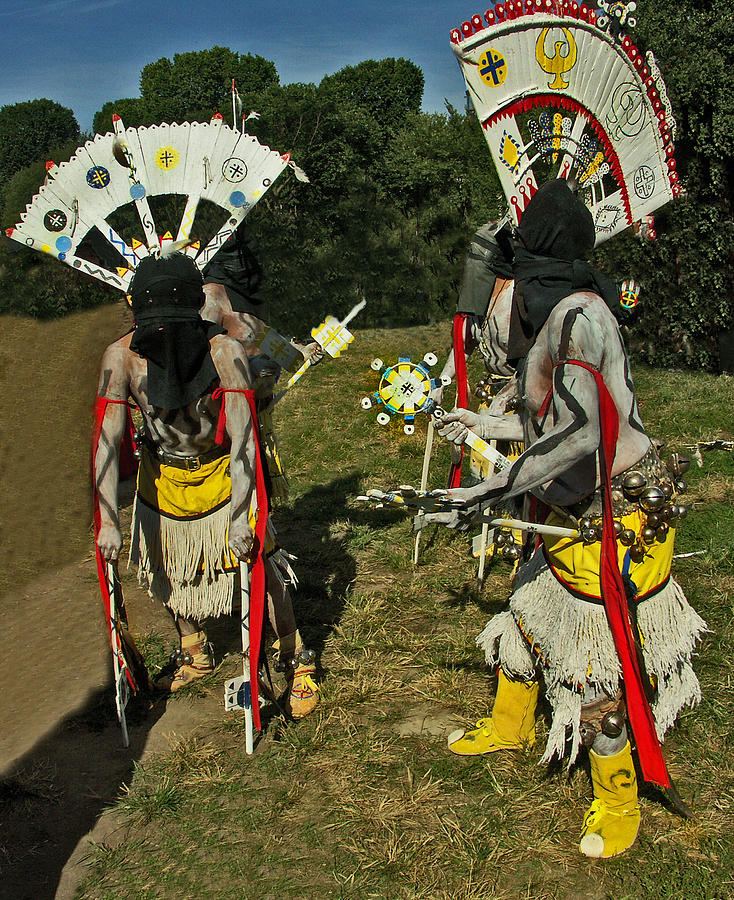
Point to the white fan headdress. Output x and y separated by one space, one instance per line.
201 161
560 92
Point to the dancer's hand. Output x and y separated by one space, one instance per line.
241 538
455 424
109 541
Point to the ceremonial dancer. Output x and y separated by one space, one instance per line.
589 454
232 283
201 506
595 615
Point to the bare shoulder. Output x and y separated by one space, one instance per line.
580 327
115 368
230 361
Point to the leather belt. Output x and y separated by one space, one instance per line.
190 463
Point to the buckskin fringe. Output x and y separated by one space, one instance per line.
573 649
181 562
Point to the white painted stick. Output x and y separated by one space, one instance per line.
120 675
245 612
424 481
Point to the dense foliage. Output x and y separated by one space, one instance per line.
395 192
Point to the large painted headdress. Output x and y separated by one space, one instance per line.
560 91
198 161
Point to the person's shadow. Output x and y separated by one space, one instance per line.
56 792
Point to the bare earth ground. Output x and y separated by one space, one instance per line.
362 799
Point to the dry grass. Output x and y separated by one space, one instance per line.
362 799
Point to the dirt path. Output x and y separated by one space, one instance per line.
61 756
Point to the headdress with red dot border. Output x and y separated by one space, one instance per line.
561 92
201 161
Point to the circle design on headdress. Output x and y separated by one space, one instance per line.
492 67
55 220
266 182
234 169
237 199
137 191
63 243
644 182
167 158
98 177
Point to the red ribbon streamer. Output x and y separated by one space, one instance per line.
614 594
257 584
462 389
100 408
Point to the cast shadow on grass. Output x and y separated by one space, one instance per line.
57 791
325 566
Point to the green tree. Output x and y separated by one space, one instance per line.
28 130
388 89
197 84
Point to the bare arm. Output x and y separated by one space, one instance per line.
570 443
113 385
234 376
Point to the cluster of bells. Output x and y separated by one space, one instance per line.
655 500
484 390
507 545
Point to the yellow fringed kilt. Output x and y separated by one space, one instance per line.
180 534
577 565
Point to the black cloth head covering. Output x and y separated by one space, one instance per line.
236 267
169 332
556 233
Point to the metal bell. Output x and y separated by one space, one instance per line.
511 551
618 527
661 532
587 733
500 538
653 520
652 499
612 724
617 496
681 485
637 553
678 463
584 523
627 537
667 488
673 511
589 535
682 511
634 484
648 535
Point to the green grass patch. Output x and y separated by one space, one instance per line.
362 799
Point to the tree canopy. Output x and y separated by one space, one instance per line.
396 193
29 130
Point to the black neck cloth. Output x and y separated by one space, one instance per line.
236 267
556 233
169 332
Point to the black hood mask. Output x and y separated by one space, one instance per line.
556 233
169 332
237 269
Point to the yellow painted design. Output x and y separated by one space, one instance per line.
509 152
560 63
167 158
578 564
46 248
592 167
492 67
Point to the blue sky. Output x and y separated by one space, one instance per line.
83 53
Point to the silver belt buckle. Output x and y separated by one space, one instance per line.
192 464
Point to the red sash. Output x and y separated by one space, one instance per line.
462 389
614 595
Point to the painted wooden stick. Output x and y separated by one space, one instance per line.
424 481
122 691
